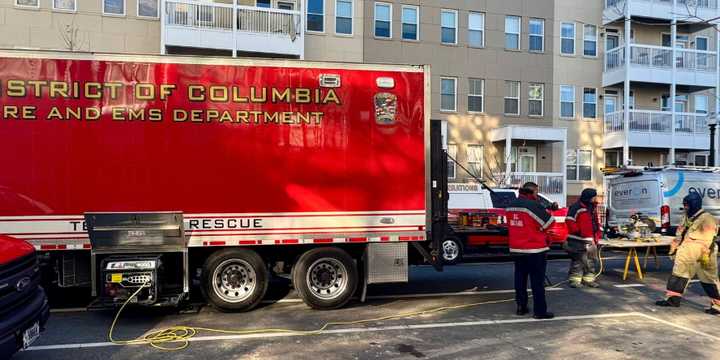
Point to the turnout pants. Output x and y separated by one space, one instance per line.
533 266
582 262
687 265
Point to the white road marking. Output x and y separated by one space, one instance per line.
697 332
628 285
362 330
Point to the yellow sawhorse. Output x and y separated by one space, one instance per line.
632 252
633 255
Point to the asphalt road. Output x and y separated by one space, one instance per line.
616 321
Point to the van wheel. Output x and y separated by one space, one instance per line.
325 278
234 279
451 251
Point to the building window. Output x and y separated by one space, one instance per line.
383 20
65 5
567 39
536 95
590 40
410 21
448 90
701 44
28 3
579 165
701 104
263 4
147 8
448 26
512 98
316 15
589 103
476 29
344 17
475 159
537 35
512 32
612 159
567 101
476 91
114 7
452 153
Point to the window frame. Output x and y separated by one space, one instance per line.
352 16
104 13
594 103
506 97
456 13
574 38
137 9
454 165
417 22
572 117
476 161
586 40
308 13
541 35
73 10
542 99
455 92
518 34
577 165
23 6
481 30
481 95
389 21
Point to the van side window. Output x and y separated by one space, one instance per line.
502 199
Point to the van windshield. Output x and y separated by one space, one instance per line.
639 194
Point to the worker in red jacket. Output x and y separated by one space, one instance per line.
584 234
528 222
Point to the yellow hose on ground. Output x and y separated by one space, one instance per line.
182 334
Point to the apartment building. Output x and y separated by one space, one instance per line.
530 89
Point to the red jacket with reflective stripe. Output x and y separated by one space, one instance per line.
528 222
579 222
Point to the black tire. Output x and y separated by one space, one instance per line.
234 279
325 278
451 250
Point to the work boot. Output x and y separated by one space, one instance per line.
591 284
672 301
545 316
575 284
712 311
522 310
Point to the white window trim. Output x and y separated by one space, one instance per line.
22 6
482 96
352 19
74 9
542 101
695 103
616 155
417 22
480 161
113 14
574 102
454 165
519 33
707 41
456 26
574 38
596 104
542 36
455 98
375 20
137 8
518 98
484 18
577 166
597 49
324 15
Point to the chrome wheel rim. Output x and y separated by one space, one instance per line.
327 278
450 250
234 280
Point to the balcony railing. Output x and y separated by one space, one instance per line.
218 16
660 57
550 183
649 121
706 4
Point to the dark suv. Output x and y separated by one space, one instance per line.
24 307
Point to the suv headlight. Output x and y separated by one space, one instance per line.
131 265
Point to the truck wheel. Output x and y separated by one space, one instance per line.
234 279
451 251
325 278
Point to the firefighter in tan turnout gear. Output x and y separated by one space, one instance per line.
695 253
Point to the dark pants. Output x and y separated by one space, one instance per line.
532 265
582 263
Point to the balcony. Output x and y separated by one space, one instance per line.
653 64
552 185
207 25
688 11
653 129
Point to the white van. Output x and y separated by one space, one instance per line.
658 193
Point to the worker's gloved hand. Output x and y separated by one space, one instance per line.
673 248
705 260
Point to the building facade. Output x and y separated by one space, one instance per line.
530 89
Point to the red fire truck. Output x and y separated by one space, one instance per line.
168 174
